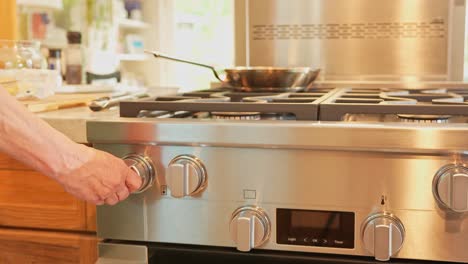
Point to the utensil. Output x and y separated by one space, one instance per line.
53 106
258 78
113 100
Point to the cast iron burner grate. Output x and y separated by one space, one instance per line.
225 103
431 105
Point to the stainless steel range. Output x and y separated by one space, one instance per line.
324 175
338 173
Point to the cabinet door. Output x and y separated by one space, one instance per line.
30 199
27 246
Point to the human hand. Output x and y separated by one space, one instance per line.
101 178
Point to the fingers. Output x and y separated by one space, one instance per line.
122 193
112 199
132 181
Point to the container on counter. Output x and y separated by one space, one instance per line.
55 60
21 55
30 83
74 59
23 70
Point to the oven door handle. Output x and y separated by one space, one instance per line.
110 253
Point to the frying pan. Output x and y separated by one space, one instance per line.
258 78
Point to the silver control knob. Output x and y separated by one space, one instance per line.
250 227
144 167
450 188
383 235
186 176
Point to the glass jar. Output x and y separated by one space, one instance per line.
21 55
23 70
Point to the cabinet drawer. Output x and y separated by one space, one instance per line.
28 246
30 199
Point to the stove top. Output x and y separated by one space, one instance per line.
434 105
393 105
225 103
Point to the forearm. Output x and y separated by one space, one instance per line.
29 139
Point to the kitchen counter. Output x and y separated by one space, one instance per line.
72 121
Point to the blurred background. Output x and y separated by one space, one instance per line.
102 41
107 39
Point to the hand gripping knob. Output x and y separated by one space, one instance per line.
144 167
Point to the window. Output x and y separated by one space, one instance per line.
465 68
203 32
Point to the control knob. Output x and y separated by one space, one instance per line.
383 235
186 176
144 167
250 227
450 188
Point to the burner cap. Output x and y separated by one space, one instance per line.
425 118
236 115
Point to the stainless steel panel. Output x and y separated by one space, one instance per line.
336 180
111 253
358 39
380 137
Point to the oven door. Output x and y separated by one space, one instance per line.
156 253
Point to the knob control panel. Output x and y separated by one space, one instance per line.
383 235
450 188
250 227
144 167
186 176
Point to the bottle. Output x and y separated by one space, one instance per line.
74 59
54 60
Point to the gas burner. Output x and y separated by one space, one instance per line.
269 89
236 115
226 103
421 106
443 105
425 118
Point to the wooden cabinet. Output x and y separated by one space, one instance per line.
30 201
32 246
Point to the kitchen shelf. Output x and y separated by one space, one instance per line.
133 24
41 4
133 57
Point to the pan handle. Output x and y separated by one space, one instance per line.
159 55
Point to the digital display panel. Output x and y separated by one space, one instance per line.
315 228
315 220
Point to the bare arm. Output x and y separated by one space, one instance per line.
87 173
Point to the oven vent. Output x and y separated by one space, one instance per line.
379 30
